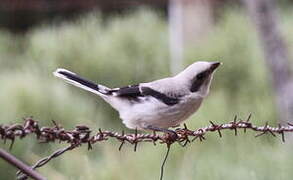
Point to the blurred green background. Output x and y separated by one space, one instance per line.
128 49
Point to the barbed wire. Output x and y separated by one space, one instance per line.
82 134
22 176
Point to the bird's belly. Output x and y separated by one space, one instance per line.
158 114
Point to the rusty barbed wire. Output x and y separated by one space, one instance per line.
82 134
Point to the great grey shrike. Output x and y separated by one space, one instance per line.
155 105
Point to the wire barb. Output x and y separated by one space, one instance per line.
82 134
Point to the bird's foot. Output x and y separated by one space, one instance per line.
172 133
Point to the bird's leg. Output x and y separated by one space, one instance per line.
171 132
177 125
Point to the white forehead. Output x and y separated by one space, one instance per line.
194 69
198 66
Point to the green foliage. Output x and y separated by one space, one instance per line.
131 49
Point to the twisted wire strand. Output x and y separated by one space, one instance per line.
82 134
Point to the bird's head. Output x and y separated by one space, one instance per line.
198 76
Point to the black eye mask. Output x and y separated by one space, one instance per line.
199 80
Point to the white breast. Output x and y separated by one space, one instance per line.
155 113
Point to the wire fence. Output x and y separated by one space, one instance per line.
82 134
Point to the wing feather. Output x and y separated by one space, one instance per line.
136 91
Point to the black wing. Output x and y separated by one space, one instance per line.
134 92
160 96
131 91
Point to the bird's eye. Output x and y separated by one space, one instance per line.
200 76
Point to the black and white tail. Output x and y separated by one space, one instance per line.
80 82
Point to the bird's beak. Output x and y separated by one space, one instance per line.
215 65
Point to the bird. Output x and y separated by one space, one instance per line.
158 105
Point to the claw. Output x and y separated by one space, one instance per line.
172 134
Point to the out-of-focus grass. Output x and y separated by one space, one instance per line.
132 49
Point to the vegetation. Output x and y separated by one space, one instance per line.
131 49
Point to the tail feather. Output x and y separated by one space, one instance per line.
80 82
